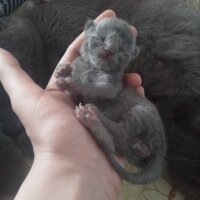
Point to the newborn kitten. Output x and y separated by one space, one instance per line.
122 122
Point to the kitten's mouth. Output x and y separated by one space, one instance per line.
106 54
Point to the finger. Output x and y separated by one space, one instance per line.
73 50
133 29
140 90
18 85
133 80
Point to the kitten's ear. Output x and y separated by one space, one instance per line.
89 25
136 52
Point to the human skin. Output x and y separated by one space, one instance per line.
67 162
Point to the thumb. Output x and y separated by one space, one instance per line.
17 83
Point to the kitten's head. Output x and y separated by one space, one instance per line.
109 45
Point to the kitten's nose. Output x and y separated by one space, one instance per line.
107 53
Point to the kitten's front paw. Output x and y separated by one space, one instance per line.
64 83
87 115
63 70
62 73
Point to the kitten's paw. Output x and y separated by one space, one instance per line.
91 107
87 115
64 83
62 73
140 149
63 70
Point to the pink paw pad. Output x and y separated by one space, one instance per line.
63 70
64 83
86 115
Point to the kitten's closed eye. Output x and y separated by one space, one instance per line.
95 42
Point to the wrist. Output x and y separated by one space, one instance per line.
56 178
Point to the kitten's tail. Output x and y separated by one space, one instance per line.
148 174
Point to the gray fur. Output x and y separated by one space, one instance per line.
134 130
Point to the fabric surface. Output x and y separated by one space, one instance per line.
7 6
159 190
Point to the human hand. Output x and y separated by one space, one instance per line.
62 146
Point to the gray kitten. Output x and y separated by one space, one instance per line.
122 122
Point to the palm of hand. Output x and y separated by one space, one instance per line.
53 128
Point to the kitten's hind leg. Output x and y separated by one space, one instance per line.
88 117
108 133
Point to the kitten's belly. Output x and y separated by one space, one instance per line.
118 107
